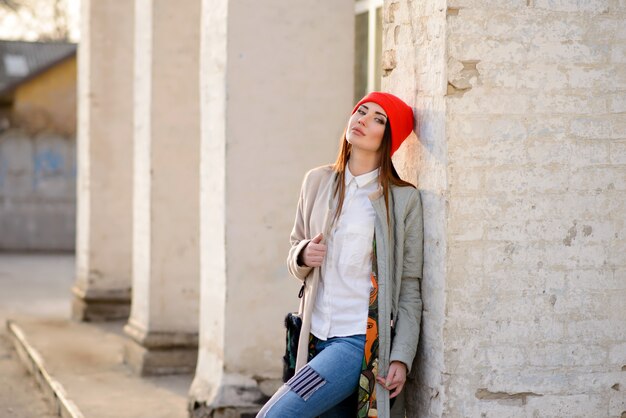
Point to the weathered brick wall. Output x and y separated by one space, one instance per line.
414 55
534 140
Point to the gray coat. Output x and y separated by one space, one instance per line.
399 256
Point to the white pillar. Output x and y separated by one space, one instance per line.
105 114
163 326
276 83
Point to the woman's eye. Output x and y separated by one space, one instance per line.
361 111
382 122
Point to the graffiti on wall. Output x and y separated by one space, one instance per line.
26 163
46 164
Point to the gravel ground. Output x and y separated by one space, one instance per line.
20 397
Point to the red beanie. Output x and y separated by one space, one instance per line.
399 114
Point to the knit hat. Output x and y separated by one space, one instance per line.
399 114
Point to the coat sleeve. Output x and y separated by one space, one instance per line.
298 239
407 325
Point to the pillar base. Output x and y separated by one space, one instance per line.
159 353
100 306
237 396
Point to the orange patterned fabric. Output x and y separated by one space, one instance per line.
369 369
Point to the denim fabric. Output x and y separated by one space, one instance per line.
325 386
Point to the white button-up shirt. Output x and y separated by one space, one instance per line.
342 302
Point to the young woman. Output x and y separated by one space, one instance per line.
357 244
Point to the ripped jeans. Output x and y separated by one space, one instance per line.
325 386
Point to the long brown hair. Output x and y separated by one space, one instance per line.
388 174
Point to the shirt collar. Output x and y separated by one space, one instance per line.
363 179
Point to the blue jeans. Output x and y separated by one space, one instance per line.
325 386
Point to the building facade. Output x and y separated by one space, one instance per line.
37 146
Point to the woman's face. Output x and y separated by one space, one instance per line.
366 127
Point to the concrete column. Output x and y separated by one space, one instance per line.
276 83
103 243
163 326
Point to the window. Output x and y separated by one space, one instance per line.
368 46
15 65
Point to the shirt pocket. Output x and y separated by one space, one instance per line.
355 253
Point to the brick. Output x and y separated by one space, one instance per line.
497 103
564 355
605 28
465 24
503 357
463 48
606 78
488 4
595 382
617 307
474 207
548 254
593 279
617 403
568 406
539 380
468 254
480 127
616 251
520 279
598 178
512 331
567 104
491 409
488 154
599 127
574 205
596 330
580 6
568 51
617 102
585 153
522 180
527 307
546 126
618 53
617 354
537 28
557 230
577 305
575 153
462 180
618 152
467 231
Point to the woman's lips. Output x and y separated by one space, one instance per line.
358 131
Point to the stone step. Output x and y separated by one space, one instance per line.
80 370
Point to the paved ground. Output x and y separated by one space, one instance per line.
86 359
35 286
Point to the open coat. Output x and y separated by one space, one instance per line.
399 248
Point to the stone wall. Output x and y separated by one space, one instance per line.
523 102
37 192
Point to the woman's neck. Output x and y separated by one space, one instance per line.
361 162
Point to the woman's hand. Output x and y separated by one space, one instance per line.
396 378
313 254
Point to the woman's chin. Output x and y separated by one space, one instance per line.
354 139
